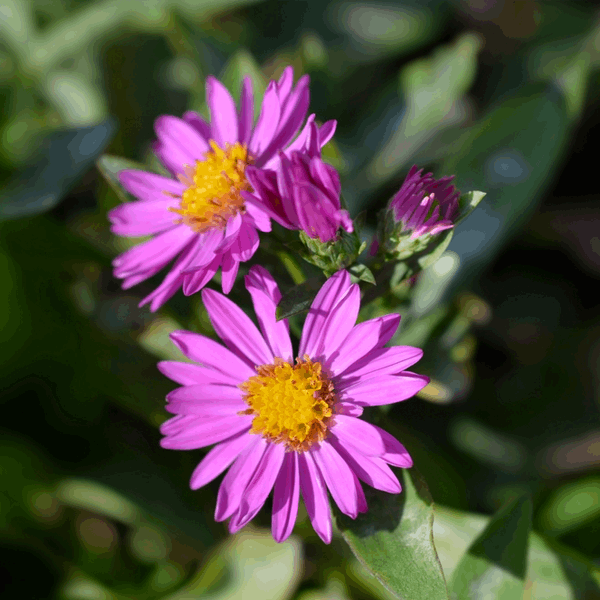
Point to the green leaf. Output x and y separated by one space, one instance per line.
242 64
433 256
468 202
65 157
495 565
553 570
361 273
298 298
394 540
110 167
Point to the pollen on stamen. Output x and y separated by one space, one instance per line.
213 187
291 404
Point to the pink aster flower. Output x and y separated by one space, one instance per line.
424 205
302 192
284 425
199 215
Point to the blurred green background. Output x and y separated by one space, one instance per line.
502 93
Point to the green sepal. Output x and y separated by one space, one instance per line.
467 203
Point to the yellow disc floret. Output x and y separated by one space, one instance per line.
291 404
214 187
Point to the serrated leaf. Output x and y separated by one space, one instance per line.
394 540
110 166
298 298
496 564
64 158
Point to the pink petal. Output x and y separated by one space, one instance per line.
315 496
370 469
363 338
382 362
236 329
208 392
200 125
207 432
285 498
266 125
136 219
313 214
154 253
239 475
339 323
209 241
217 460
326 299
195 281
348 408
245 244
229 270
149 186
246 116
385 390
178 136
326 131
285 83
231 231
338 476
207 352
223 114
259 487
189 374
258 217
370 440
265 296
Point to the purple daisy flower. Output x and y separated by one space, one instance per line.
290 427
424 205
302 192
200 214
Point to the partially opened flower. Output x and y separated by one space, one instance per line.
286 425
302 192
199 215
424 205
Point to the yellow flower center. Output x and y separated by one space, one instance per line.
214 187
291 404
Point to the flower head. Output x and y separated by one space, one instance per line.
290 425
424 205
302 192
200 215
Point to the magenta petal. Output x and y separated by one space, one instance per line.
260 486
385 390
285 498
371 440
266 125
200 125
285 83
314 212
207 432
223 114
189 374
239 475
245 244
246 115
135 219
258 217
207 352
149 186
265 296
370 469
338 476
363 338
326 131
315 496
214 393
176 135
229 270
348 408
327 297
231 232
382 362
153 254
209 241
339 323
194 282
217 460
236 329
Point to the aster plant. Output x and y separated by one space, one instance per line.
283 422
